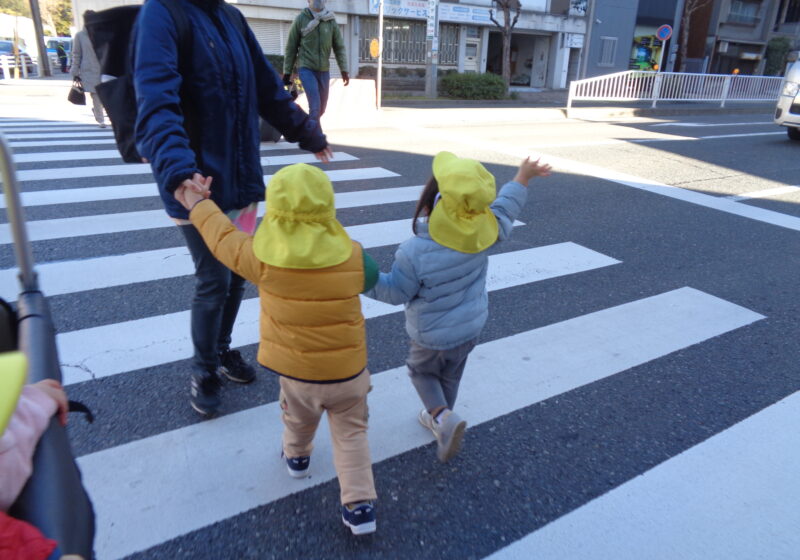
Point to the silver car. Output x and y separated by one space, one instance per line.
787 113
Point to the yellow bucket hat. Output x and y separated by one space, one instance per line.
13 367
462 220
300 229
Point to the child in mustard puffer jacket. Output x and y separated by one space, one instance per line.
309 275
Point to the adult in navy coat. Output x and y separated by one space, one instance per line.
197 124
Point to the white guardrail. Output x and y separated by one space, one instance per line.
9 63
636 85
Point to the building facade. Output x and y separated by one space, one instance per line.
547 41
649 52
611 28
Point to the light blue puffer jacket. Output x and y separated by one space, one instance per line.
444 290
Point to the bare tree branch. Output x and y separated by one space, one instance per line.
516 17
491 17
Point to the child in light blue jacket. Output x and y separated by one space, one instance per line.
440 276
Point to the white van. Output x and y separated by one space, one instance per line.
787 113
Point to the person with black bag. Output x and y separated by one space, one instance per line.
197 118
86 70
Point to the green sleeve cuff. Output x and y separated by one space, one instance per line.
371 272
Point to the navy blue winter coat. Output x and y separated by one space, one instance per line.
227 85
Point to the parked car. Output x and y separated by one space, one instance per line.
787 113
7 49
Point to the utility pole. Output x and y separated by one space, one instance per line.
380 54
432 49
587 43
44 62
676 36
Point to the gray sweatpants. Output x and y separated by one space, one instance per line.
436 374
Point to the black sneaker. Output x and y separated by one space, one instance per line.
360 517
298 466
233 366
205 394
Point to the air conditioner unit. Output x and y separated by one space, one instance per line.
723 47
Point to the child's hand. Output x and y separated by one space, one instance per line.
55 391
193 190
529 169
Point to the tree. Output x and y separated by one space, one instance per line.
506 6
15 7
689 8
777 49
58 14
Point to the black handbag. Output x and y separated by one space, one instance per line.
76 94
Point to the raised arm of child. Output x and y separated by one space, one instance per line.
231 247
529 169
512 197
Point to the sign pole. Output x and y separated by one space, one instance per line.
432 49
663 33
379 84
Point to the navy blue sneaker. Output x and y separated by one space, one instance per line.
233 366
297 466
360 517
205 397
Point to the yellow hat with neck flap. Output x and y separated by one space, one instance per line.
300 229
13 369
462 219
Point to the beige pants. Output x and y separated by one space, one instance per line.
97 108
346 405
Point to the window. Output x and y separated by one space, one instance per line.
404 41
448 44
608 51
744 11
793 12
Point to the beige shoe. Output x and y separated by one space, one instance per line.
449 431
425 419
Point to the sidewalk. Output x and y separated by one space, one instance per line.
552 102
353 107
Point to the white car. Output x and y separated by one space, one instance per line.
787 113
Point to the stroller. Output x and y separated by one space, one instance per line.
54 499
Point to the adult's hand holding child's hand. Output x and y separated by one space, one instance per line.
193 190
529 169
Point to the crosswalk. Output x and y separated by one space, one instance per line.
154 494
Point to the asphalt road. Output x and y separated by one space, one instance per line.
633 395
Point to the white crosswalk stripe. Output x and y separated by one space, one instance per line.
144 168
113 349
51 143
150 490
56 135
123 192
737 470
105 224
41 157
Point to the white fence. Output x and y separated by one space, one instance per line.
9 64
635 85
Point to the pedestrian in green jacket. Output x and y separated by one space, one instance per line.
312 36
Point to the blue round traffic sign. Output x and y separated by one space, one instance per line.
664 32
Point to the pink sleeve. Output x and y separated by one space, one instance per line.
18 442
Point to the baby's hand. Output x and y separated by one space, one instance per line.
55 391
529 169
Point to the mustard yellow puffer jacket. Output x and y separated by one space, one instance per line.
311 324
